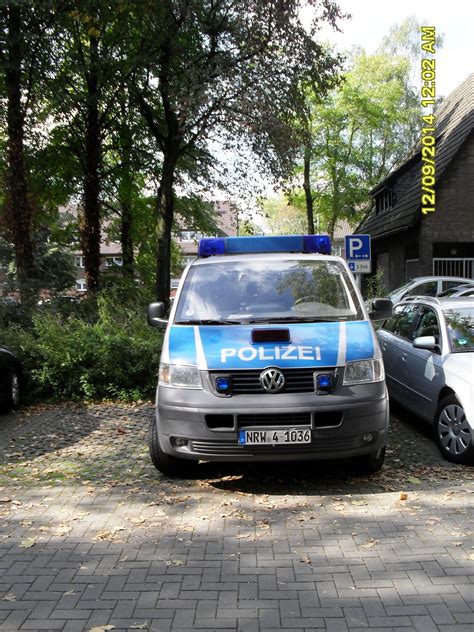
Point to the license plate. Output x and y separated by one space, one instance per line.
275 437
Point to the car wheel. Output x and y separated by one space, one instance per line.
370 463
453 432
12 401
166 463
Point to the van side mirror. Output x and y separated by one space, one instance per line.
155 314
380 309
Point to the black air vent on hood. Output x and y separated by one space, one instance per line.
270 335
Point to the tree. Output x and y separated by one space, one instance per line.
92 66
356 135
359 132
283 218
220 71
23 53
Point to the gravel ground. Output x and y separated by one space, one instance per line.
93 538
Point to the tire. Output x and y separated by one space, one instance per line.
370 463
452 431
166 463
12 401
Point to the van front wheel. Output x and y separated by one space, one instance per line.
166 463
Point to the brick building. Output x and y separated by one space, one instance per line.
407 244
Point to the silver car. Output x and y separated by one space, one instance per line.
426 286
428 352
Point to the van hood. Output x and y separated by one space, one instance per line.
230 347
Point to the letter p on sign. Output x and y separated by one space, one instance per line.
358 247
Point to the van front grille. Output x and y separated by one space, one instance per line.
248 382
274 419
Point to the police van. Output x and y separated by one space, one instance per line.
269 355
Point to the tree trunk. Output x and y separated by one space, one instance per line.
126 238
91 213
19 207
307 189
164 222
126 198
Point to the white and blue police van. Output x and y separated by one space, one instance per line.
269 355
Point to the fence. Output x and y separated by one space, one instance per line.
454 267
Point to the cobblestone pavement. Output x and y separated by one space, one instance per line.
93 538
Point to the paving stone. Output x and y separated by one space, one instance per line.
250 548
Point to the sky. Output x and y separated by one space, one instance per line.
371 20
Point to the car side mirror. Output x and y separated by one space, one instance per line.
425 342
155 314
380 309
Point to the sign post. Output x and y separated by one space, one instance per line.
358 255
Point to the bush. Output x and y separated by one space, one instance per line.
103 349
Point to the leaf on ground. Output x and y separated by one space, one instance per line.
403 495
140 626
358 502
102 628
305 559
9 597
371 542
68 593
5 500
414 480
28 543
174 563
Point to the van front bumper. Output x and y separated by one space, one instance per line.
362 412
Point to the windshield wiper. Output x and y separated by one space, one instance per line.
293 319
208 321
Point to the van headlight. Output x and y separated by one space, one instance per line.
364 372
179 376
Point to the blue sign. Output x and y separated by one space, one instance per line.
358 248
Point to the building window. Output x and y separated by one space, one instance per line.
81 285
189 235
336 250
384 202
113 261
79 261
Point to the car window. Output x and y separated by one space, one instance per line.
390 323
448 284
460 322
428 288
401 323
427 324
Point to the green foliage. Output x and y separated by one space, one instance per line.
356 135
283 218
103 349
373 285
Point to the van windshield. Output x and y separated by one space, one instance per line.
267 291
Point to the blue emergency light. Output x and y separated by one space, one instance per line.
320 244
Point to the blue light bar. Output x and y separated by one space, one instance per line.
281 243
211 246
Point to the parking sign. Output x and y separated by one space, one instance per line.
358 255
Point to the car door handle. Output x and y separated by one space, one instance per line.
404 357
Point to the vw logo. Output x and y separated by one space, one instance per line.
272 380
